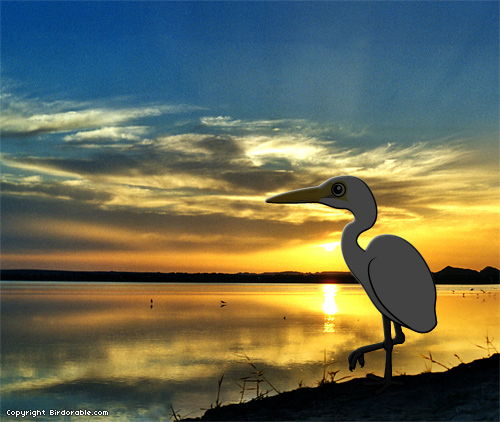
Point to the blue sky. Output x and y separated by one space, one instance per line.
398 63
169 110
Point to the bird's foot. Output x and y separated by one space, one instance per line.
356 356
384 383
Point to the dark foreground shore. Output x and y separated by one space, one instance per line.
469 391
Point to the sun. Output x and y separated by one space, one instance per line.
330 247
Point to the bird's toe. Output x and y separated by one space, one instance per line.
361 360
352 363
354 357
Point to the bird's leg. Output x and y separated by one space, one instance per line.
358 354
388 345
400 337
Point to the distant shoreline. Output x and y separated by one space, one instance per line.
448 275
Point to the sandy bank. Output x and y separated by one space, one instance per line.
467 392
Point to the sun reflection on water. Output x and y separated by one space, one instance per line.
329 307
60 340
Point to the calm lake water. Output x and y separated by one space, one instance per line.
102 346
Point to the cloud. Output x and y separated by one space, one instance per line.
112 133
297 149
65 190
48 224
25 118
21 126
297 127
267 125
220 121
258 180
197 161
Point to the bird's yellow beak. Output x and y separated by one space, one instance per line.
299 196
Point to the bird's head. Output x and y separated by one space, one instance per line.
342 192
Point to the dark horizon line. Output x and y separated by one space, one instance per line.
448 275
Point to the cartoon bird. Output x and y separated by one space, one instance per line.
391 271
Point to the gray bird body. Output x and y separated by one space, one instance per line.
399 283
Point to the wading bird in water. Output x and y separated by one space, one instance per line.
392 272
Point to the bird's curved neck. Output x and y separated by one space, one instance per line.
354 254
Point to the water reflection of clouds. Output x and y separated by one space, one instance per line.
113 344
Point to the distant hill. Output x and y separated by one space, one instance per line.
490 272
452 275
448 275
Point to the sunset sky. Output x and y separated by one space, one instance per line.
146 136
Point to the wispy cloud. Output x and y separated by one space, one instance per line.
16 125
23 118
69 189
220 121
111 133
270 126
229 122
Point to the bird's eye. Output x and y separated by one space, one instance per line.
338 189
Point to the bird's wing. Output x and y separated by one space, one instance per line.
402 283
